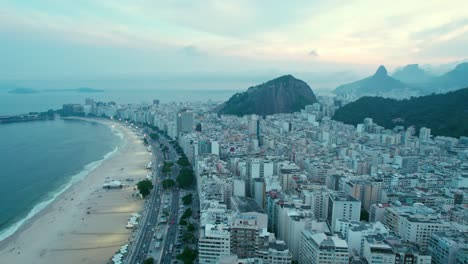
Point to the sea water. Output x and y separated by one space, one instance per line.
41 159
39 102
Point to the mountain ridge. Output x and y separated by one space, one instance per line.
378 84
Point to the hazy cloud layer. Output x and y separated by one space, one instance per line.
46 39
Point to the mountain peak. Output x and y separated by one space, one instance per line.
284 94
283 78
381 71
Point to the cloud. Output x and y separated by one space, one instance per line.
313 53
190 50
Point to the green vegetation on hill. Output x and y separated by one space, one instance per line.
446 114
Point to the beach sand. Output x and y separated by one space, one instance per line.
85 224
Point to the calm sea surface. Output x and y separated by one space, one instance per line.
38 102
40 159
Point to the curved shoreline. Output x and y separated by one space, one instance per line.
80 194
41 205
88 168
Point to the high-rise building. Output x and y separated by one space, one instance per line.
318 201
254 127
246 236
214 242
367 191
420 229
257 168
342 206
259 191
317 248
376 250
184 121
238 187
424 134
444 246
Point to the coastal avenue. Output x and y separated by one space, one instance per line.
143 243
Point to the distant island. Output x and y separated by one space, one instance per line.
77 90
285 94
23 91
446 114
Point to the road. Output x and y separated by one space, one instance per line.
143 241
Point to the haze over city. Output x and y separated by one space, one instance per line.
223 44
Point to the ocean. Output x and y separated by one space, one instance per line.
39 160
39 102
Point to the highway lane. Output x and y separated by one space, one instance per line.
141 247
144 235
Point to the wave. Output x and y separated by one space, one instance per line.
40 206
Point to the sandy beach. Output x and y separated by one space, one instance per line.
86 223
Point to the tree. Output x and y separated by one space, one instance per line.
188 237
154 136
190 227
187 256
185 178
145 141
187 213
167 167
145 187
168 183
187 199
148 261
183 222
183 161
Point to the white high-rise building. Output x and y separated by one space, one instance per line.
424 134
342 206
377 251
214 242
318 248
318 201
239 187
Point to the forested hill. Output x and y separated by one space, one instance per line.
446 114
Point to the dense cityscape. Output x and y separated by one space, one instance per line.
298 187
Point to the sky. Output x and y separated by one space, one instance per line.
222 44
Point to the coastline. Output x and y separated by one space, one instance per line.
84 223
